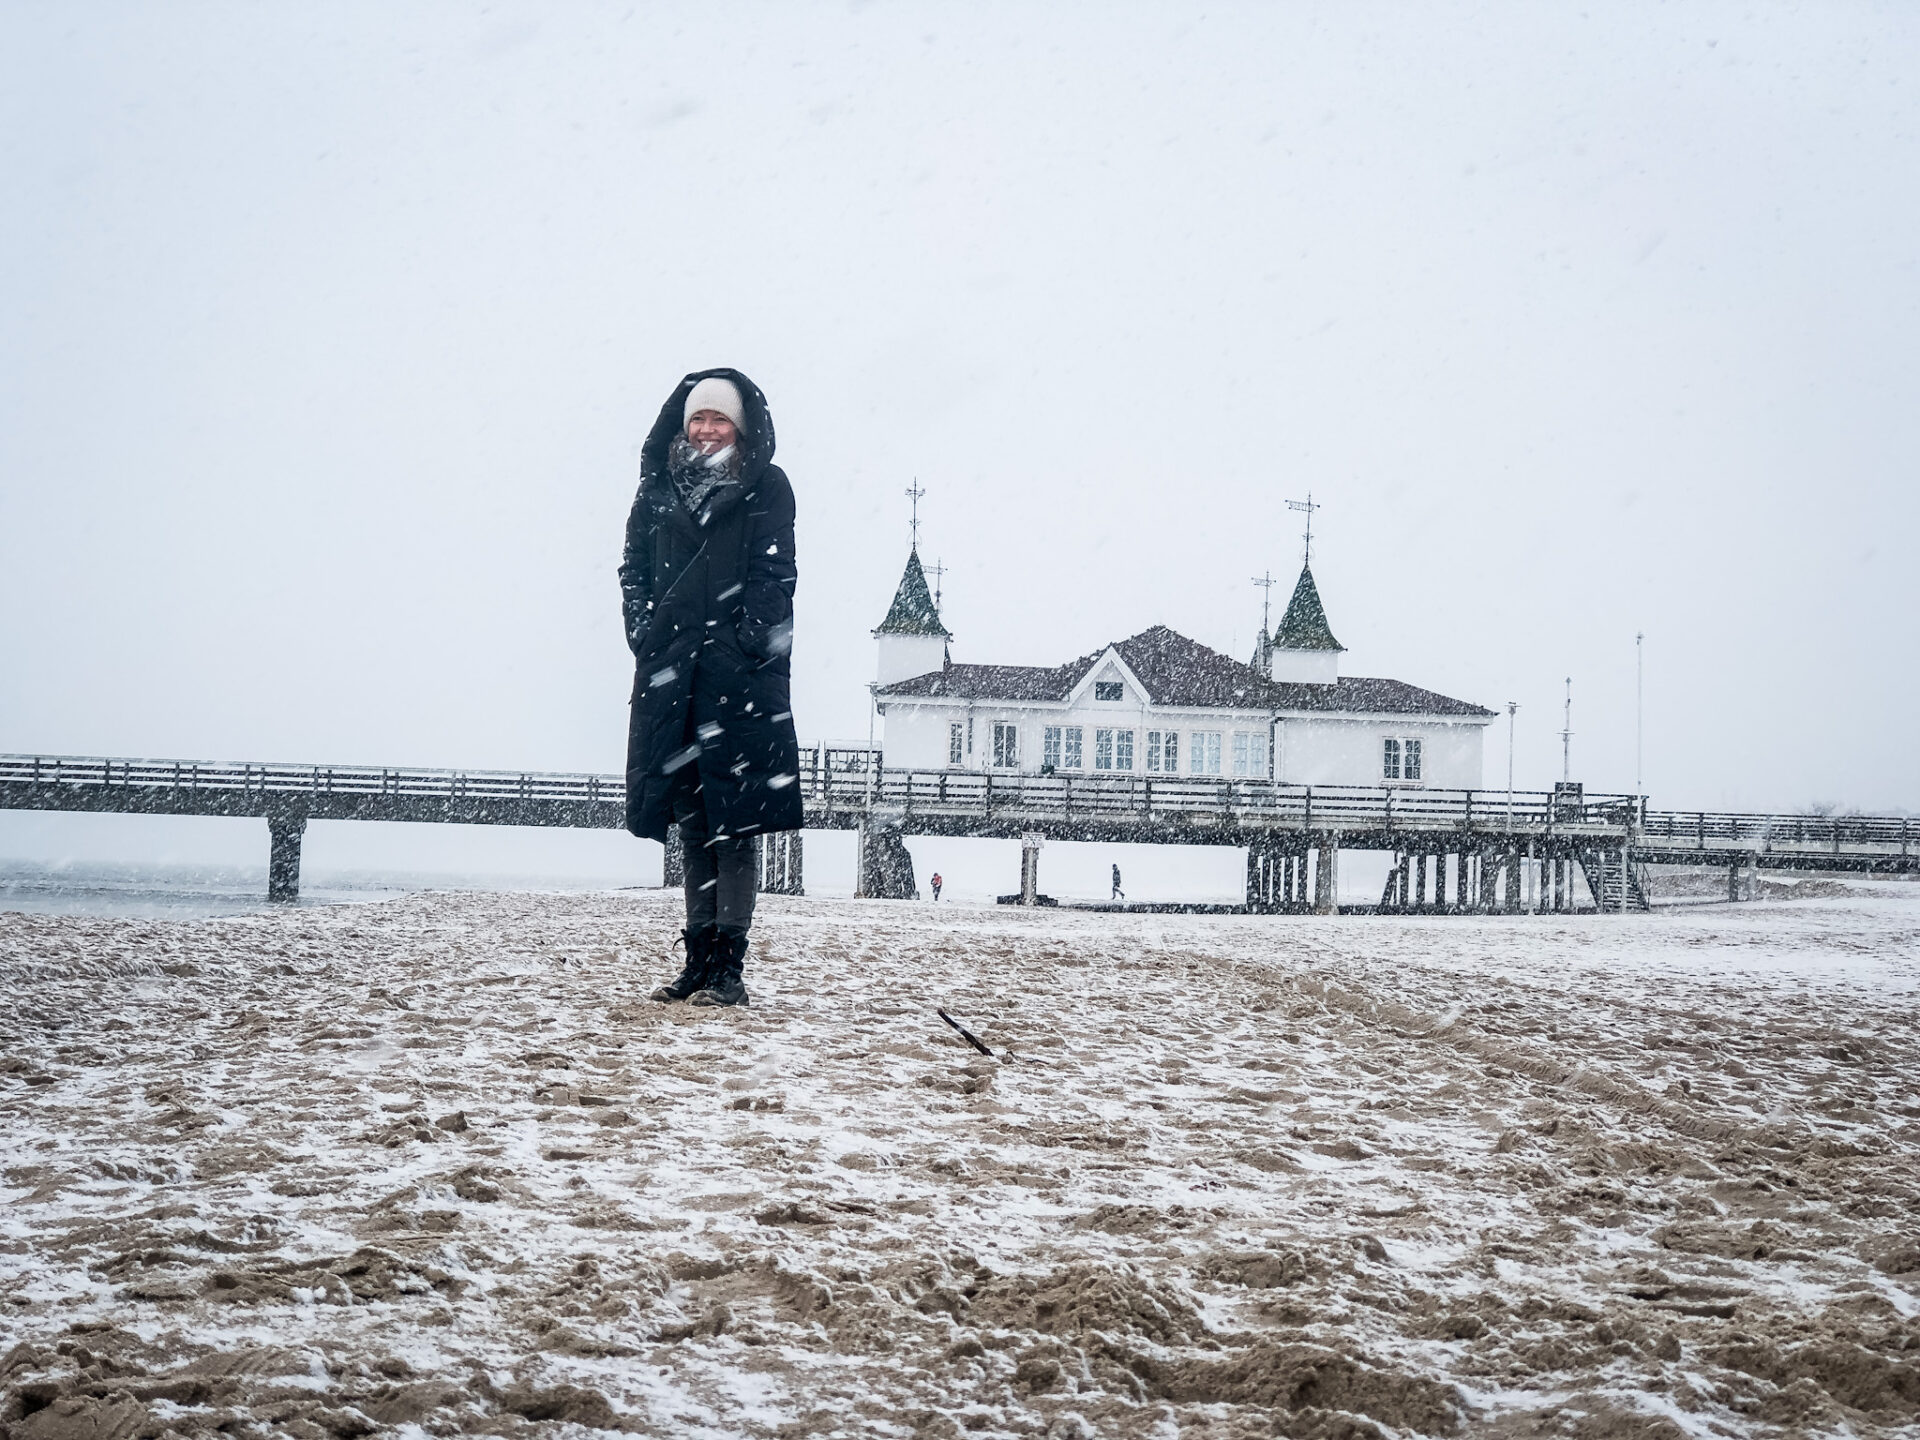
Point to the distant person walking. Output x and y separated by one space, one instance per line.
1118 893
936 882
706 589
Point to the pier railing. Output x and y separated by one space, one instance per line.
1207 801
1672 834
215 778
838 783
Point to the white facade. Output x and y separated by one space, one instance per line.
901 657
1108 725
1297 749
1315 749
1305 667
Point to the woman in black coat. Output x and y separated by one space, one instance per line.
706 586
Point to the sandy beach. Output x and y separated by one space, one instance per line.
435 1165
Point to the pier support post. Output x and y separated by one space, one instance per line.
1326 894
673 865
1512 862
780 863
283 855
886 865
1030 869
1267 878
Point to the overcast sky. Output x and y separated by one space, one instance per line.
330 334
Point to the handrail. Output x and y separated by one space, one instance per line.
839 777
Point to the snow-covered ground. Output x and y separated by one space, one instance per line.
436 1162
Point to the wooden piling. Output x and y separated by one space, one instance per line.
284 832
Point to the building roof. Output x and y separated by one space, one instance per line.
1364 695
1179 672
1304 626
913 611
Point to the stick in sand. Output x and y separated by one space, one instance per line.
965 1034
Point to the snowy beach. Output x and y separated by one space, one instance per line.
436 1165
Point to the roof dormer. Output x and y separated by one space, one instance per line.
1109 681
912 641
1304 651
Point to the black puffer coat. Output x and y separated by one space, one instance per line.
708 604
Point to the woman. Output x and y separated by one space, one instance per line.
706 587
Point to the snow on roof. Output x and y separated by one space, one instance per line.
1304 626
1179 672
913 611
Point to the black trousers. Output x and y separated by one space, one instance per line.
722 875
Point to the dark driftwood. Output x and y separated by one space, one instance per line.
965 1034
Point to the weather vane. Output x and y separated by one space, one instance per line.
1309 507
1266 583
1566 738
936 570
914 492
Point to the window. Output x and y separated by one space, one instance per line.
1109 690
1006 745
1203 752
1060 747
956 742
1103 749
1250 754
1400 760
1155 749
1123 750
1172 756
1113 749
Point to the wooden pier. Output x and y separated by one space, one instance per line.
1455 851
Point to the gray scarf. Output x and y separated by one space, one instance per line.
699 477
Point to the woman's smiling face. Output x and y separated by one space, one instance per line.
710 432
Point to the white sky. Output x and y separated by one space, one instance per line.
330 334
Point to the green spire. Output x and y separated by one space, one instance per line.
1304 626
913 611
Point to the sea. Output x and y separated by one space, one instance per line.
187 892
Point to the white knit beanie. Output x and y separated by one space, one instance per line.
716 393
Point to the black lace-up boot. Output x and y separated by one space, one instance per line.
693 975
725 985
